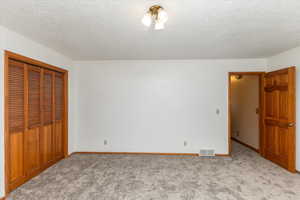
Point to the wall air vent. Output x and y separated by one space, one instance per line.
207 152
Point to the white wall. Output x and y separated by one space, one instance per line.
245 101
286 59
14 42
154 106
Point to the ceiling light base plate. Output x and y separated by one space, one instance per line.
154 9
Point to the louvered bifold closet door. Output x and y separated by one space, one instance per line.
16 122
59 110
33 130
47 138
35 118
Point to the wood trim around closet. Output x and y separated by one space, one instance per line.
8 55
32 61
65 115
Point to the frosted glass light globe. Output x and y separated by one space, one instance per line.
159 25
162 16
147 19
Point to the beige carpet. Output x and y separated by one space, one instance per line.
246 176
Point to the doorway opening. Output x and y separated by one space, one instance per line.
245 109
275 122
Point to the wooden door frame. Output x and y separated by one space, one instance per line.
261 108
10 55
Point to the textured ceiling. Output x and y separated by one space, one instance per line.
197 29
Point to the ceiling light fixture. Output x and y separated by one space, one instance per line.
156 14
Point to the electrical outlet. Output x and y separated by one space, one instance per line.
185 143
105 142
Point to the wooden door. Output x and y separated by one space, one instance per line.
16 122
59 110
47 150
33 120
279 117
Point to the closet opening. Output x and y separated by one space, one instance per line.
36 118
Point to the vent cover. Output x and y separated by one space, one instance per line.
207 152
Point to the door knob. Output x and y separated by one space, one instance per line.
291 124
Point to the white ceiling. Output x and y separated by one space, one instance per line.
197 29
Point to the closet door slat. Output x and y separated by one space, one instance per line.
16 96
48 98
34 101
59 96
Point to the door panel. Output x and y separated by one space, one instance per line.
47 145
283 152
279 117
48 97
34 97
270 107
16 155
16 98
32 133
58 140
16 122
270 138
32 151
59 102
47 139
283 102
